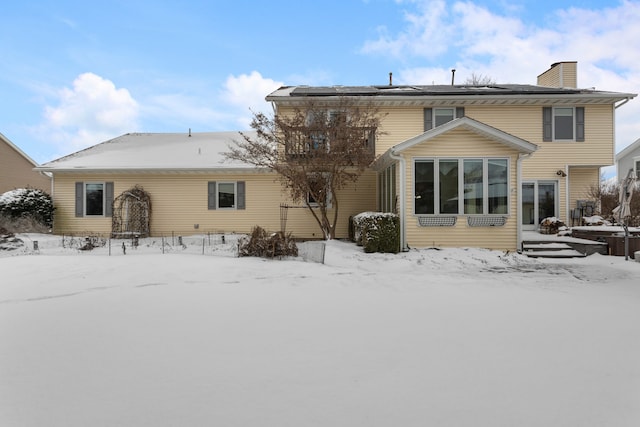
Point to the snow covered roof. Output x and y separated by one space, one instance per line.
202 151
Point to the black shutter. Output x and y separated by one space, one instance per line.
79 199
547 119
211 195
428 119
108 199
459 112
241 195
579 123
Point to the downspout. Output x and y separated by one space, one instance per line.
403 198
622 103
521 157
567 207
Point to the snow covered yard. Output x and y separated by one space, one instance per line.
452 337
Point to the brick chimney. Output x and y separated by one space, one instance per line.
561 74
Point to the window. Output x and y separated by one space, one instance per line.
473 186
469 186
434 117
443 115
498 176
387 189
94 199
424 187
448 178
226 195
563 123
319 190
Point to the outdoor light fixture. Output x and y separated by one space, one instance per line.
561 173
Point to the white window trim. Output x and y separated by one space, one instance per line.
573 124
235 196
636 162
316 205
485 185
104 198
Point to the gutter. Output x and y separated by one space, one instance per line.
403 198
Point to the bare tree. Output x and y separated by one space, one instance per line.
316 149
479 80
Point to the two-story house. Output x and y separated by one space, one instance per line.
16 169
461 165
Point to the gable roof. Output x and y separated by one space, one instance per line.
155 152
472 125
17 150
629 149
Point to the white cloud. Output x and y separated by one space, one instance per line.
426 34
246 93
474 39
92 111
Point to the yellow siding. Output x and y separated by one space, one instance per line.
399 124
561 74
584 183
179 204
461 143
17 172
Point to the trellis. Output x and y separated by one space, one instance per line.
131 213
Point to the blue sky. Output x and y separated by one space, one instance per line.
76 73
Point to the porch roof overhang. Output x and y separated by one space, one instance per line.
471 125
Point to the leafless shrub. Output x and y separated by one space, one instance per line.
25 224
608 197
267 245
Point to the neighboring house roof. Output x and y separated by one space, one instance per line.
449 93
629 149
202 151
18 150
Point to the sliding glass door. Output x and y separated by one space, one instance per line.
539 201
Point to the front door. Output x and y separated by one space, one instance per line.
539 201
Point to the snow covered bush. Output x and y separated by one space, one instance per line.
377 232
27 204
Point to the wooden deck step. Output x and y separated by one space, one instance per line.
550 249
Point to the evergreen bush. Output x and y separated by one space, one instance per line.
377 232
27 203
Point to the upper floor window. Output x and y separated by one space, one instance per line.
636 165
563 123
434 117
